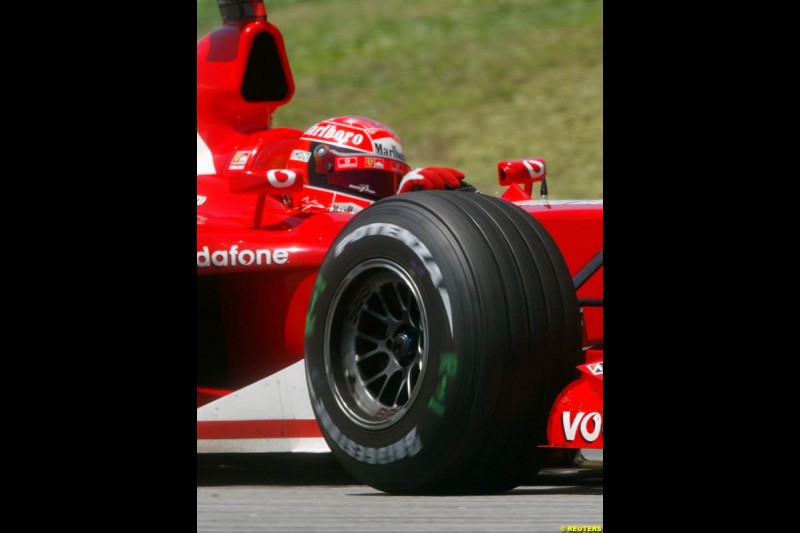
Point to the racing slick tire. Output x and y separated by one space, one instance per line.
441 327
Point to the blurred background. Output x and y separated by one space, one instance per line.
464 83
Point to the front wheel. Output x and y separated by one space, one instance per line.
441 328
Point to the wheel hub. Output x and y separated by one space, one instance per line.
403 347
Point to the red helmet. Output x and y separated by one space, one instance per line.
350 154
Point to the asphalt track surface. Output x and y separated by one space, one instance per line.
311 493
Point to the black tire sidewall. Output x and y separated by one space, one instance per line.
417 442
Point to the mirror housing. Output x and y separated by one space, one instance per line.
521 171
272 181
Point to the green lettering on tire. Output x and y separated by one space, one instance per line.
448 366
311 318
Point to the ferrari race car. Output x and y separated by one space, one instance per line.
435 341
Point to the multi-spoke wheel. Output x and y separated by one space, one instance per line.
441 327
376 354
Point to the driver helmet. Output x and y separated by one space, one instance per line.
355 155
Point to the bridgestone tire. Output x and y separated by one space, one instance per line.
441 327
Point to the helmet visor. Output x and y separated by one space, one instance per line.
367 175
369 183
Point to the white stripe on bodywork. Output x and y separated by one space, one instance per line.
205 159
310 445
283 395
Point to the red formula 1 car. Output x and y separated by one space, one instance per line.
437 341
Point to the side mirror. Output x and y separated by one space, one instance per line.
272 181
522 171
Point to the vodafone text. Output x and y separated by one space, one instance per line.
233 256
589 424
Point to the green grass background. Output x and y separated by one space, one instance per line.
465 83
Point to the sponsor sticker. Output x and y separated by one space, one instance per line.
535 167
373 162
281 179
346 207
240 159
596 368
346 162
300 155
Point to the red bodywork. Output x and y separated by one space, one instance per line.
263 233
